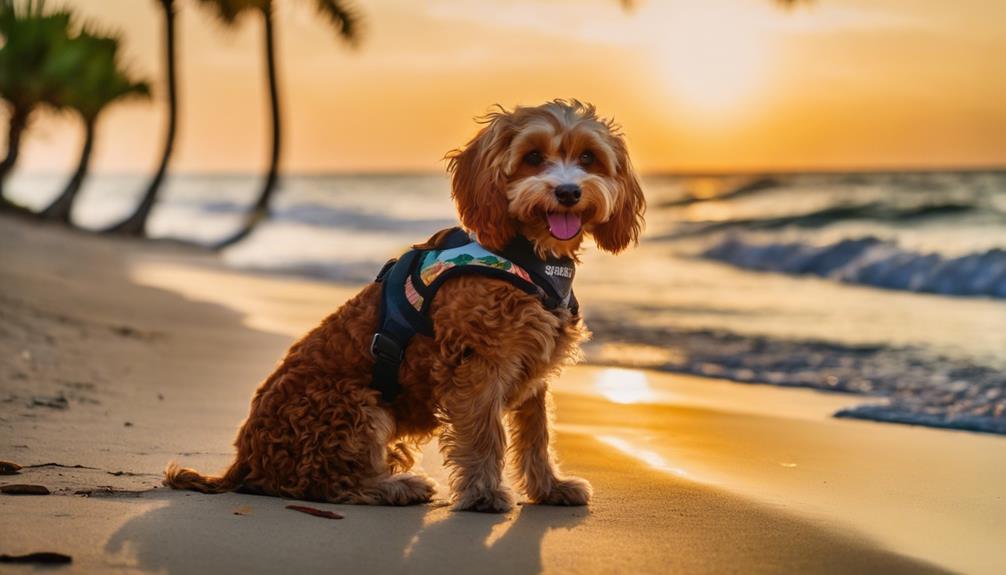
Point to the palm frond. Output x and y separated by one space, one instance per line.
89 76
228 12
790 4
31 39
344 18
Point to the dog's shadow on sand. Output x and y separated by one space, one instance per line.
195 533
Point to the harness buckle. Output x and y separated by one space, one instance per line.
385 348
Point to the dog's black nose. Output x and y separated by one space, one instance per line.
567 194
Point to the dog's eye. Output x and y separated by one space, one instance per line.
587 158
534 158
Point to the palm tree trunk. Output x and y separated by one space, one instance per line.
136 223
260 211
18 123
59 209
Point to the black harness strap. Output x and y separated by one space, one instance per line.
399 321
397 326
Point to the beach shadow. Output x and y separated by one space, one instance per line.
459 542
193 533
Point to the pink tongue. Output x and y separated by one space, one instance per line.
563 225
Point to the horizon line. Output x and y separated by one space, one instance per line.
672 172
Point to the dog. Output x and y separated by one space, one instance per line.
319 431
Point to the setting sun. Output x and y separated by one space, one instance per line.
712 62
705 85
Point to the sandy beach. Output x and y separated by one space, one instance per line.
117 357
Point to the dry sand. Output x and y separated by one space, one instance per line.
119 356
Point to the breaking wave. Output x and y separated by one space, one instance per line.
875 262
871 211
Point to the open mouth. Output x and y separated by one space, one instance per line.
563 225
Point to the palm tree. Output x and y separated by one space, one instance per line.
346 23
136 223
89 63
31 39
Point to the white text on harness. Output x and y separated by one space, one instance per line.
561 271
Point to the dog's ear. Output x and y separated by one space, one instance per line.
626 221
478 181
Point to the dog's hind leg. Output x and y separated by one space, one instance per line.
400 489
382 481
401 456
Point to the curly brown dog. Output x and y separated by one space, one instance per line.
317 429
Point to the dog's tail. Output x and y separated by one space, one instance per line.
177 477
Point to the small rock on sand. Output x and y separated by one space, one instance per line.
9 468
45 557
24 489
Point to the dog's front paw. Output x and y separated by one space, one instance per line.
499 500
568 491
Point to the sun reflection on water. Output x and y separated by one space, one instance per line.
625 386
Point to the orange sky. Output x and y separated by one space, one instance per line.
697 84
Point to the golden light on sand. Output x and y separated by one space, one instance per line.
624 386
647 456
711 61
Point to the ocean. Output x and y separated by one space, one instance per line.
891 286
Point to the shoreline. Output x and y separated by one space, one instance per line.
902 377
690 474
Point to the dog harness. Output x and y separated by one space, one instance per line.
410 282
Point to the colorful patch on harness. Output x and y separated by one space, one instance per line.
436 263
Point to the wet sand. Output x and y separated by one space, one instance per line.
119 356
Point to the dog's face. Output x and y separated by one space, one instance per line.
551 173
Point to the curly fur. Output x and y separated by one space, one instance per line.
316 429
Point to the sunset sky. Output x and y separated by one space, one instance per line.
698 85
